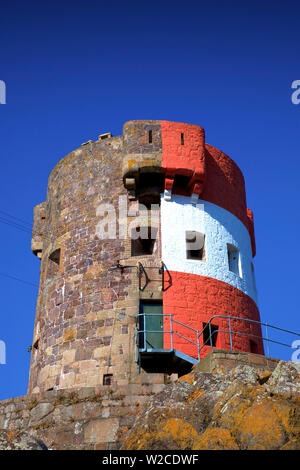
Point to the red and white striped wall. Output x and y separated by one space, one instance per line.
205 194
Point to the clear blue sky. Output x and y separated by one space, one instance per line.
74 70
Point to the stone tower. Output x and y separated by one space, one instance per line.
143 238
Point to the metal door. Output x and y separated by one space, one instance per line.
153 325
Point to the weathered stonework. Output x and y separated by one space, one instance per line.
229 401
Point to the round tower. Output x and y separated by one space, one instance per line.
143 238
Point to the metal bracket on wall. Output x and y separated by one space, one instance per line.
142 270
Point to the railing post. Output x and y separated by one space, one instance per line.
171 329
144 329
267 339
198 346
210 338
136 343
230 337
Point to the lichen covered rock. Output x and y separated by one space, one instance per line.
241 408
11 440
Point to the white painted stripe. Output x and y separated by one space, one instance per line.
220 228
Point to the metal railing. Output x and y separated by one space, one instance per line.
208 339
267 339
142 333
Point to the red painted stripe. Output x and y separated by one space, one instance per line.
193 300
210 173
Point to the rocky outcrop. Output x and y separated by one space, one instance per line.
10 440
241 408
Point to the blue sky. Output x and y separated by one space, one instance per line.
76 70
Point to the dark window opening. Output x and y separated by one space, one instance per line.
212 333
234 259
253 276
181 181
55 256
150 137
53 263
182 139
144 244
107 379
253 347
195 245
149 188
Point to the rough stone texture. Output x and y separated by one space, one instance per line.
242 408
10 440
79 334
89 418
178 414
222 358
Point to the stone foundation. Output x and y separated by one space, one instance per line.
94 418
218 358
98 418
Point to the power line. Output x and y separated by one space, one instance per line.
23 226
18 279
15 225
16 218
19 224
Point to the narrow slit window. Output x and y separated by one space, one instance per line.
253 276
234 260
150 137
210 334
195 242
253 347
107 379
182 139
53 263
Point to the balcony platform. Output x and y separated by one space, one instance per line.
166 361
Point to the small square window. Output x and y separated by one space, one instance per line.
195 245
144 244
107 379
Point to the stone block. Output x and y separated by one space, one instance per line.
40 411
67 380
68 356
100 431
